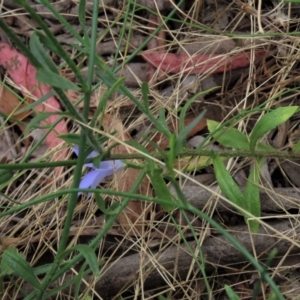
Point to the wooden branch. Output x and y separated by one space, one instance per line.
279 199
175 261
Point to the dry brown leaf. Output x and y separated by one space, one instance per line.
9 103
135 214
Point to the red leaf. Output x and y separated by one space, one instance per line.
201 63
24 75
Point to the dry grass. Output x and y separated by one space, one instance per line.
35 231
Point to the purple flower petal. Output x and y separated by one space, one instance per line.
106 168
93 178
103 165
118 165
76 150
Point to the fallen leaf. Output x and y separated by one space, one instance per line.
135 214
9 104
200 63
24 75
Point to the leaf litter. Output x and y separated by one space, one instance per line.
179 63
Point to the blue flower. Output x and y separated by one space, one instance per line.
94 177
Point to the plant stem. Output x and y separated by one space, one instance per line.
158 155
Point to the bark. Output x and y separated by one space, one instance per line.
176 260
279 199
216 250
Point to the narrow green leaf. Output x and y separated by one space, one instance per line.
296 148
82 21
251 194
227 185
105 77
48 77
62 20
34 122
41 54
32 105
14 260
43 269
180 140
270 121
5 269
5 175
145 93
46 42
70 138
272 295
230 293
160 187
189 103
232 138
90 257
78 281
163 122
228 137
100 202
172 151
161 297
102 104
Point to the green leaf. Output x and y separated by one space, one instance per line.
102 104
161 297
163 122
78 281
145 93
47 42
232 138
90 257
172 152
43 269
227 185
270 121
70 138
41 55
100 202
20 267
34 122
296 148
32 106
160 187
180 140
228 137
230 293
251 194
62 20
189 103
82 21
48 77
5 175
